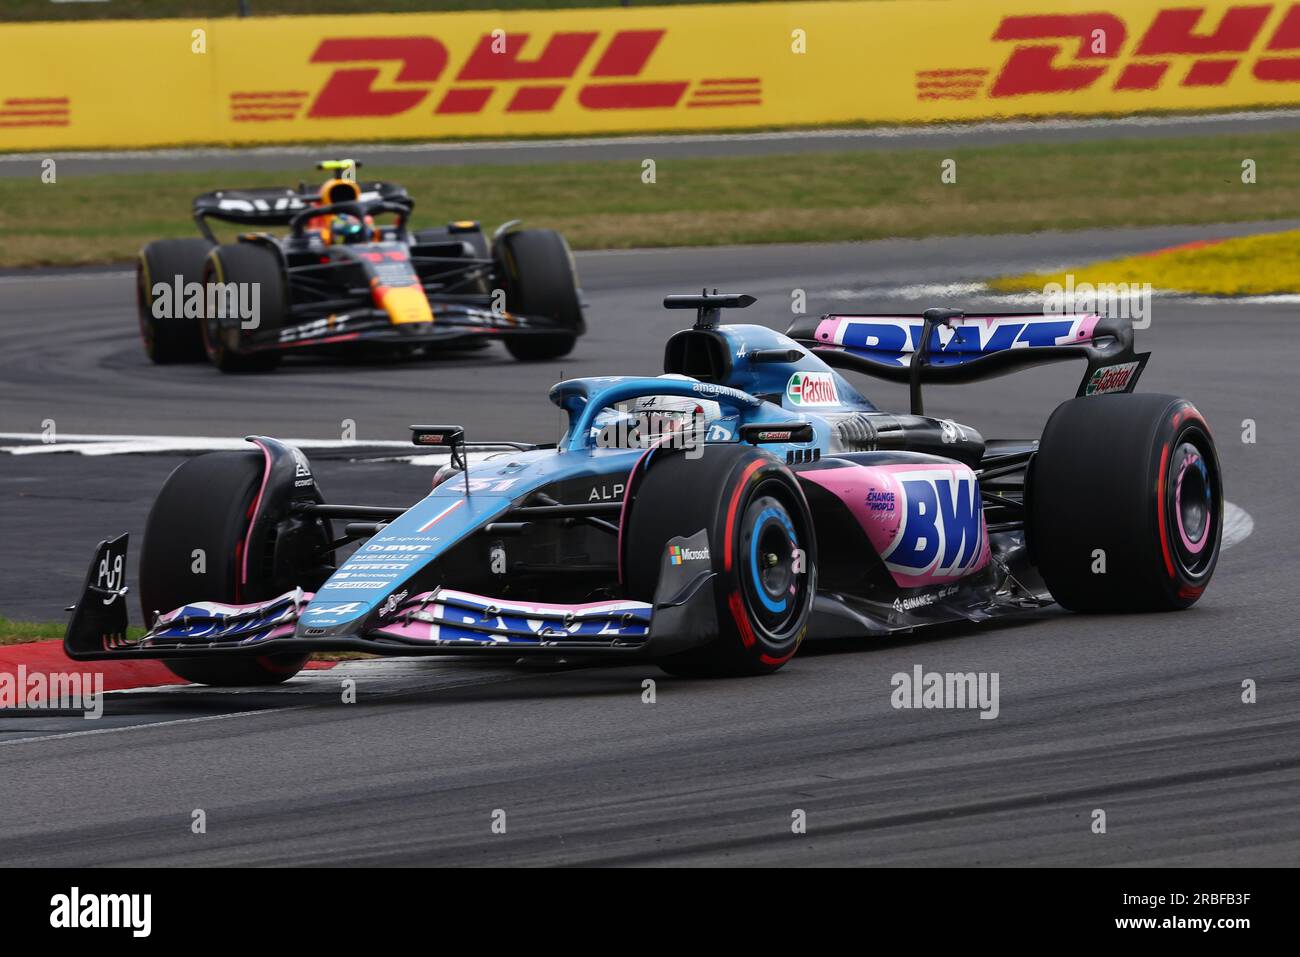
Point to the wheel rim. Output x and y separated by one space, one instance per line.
212 338
213 343
1193 505
770 578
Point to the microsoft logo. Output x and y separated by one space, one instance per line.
677 554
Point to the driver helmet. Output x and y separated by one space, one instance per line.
651 418
345 228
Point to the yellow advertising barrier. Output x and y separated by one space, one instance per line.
417 76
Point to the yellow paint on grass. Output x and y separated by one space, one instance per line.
1245 266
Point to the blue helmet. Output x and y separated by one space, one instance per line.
346 228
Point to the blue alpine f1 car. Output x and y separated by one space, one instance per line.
708 519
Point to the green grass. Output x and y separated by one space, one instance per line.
169 9
812 197
22 632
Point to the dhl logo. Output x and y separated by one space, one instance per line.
1065 53
35 111
496 74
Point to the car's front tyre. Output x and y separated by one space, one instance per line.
193 550
256 269
537 270
761 549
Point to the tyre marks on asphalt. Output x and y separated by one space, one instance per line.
371 680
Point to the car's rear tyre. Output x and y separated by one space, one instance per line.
173 337
761 548
540 279
249 263
1125 504
200 520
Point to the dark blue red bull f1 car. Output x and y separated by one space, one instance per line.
346 279
708 519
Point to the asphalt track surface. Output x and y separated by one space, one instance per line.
1138 716
660 147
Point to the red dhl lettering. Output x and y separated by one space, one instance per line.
496 73
1066 53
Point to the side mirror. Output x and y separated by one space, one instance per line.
450 437
444 436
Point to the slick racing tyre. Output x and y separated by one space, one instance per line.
259 267
1125 504
168 335
539 277
761 548
205 506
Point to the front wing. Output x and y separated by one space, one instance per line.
446 621
454 323
441 621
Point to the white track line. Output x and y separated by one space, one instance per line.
88 444
951 290
1034 300
1237 525
156 724
62 277
403 690
936 130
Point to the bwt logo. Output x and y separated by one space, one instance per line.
1064 53
942 530
508 623
897 339
608 69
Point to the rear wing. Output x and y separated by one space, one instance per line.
945 346
278 206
